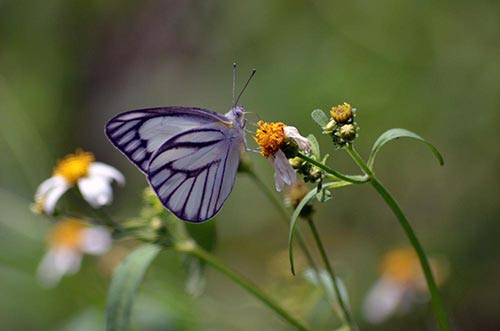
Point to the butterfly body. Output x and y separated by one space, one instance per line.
189 155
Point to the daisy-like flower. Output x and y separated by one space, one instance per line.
67 241
93 180
277 143
400 286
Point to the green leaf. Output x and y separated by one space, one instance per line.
395 134
124 285
296 213
314 146
320 117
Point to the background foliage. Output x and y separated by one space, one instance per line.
432 67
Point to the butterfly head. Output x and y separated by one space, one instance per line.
237 116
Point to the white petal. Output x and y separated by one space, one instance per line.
96 190
107 171
55 264
95 240
383 300
283 171
302 142
47 185
49 201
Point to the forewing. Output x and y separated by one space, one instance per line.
139 133
193 173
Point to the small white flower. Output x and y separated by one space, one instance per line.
68 240
93 179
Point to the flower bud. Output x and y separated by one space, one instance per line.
347 132
342 113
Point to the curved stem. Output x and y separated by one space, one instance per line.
347 178
405 224
286 217
193 249
343 305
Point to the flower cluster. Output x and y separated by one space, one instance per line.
278 143
341 126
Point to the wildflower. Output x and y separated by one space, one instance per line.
400 286
279 142
67 241
93 180
342 113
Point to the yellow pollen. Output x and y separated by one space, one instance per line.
74 166
67 234
270 136
341 113
401 265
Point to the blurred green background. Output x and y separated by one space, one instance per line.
66 67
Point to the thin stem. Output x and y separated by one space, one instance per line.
405 224
193 249
343 305
286 217
347 178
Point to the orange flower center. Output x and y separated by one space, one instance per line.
67 234
270 136
74 166
401 265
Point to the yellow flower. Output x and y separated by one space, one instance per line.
272 138
342 113
74 166
92 178
67 241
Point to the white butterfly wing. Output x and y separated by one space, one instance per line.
139 133
193 173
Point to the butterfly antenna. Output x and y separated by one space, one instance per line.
234 81
244 87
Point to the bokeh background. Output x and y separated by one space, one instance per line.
66 67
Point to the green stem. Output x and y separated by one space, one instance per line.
347 178
405 224
343 305
286 217
191 248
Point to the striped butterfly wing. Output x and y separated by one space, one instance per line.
193 173
139 133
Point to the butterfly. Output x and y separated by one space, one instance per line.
189 155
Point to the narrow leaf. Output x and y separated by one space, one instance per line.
296 213
396 133
320 117
314 146
124 285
